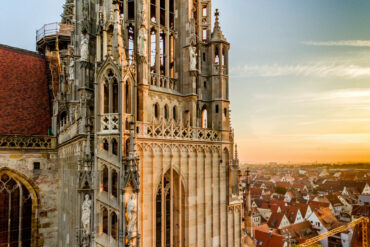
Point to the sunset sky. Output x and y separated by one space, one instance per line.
300 73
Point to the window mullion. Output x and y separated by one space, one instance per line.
20 216
9 216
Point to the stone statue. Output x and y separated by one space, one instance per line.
71 70
142 42
193 58
132 215
86 214
85 48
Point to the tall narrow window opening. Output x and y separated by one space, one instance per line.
114 223
115 95
131 42
204 117
153 7
105 220
131 9
153 50
104 186
114 183
162 12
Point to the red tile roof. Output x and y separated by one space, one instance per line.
275 220
266 238
300 232
24 95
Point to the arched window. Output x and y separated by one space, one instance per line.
63 118
104 184
131 42
114 222
105 145
114 183
128 97
105 220
217 56
115 96
204 117
153 7
166 112
110 93
174 113
131 9
172 56
114 146
216 108
106 98
156 111
15 213
153 50
164 205
225 112
162 13
162 49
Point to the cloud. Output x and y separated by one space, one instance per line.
316 70
349 43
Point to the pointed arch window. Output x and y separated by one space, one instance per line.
114 223
115 95
170 197
204 117
106 98
163 39
110 93
104 183
153 50
105 221
15 213
166 112
114 146
114 183
217 56
105 145
131 42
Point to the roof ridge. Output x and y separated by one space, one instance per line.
21 50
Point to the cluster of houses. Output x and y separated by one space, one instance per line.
291 205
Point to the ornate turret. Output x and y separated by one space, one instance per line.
217 34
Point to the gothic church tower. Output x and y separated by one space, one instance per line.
141 116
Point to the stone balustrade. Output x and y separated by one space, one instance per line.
175 131
163 82
27 142
109 123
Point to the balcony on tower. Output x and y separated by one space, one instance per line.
53 36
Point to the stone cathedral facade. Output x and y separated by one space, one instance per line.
137 145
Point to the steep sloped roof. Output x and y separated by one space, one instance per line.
24 96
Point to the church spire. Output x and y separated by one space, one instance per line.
217 34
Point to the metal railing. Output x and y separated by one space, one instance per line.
53 29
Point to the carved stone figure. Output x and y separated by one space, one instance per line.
193 58
71 70
86 214
142 41
132 215
85 48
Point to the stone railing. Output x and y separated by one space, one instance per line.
163 82
27 142
175 131
109 122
